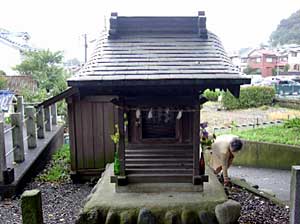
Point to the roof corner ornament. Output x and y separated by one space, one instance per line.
202 31
113 25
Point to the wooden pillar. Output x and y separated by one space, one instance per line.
30 125
40 123
48 124
20 106
54 114
196 140
2 152
31 204
17 137
121 141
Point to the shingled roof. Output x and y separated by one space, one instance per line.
152 49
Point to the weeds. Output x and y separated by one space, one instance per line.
59 168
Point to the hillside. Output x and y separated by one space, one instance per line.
288 31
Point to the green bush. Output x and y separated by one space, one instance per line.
253 96
293 123
212 95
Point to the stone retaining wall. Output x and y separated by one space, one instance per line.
268 155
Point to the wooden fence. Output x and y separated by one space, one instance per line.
37 121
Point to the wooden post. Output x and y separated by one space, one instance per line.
54 114
48 124
20 106
295 196
196 140
40 123
31 204
121 141
31 127
2 152
17 137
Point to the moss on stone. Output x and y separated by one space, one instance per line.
31 204
112 218
189 217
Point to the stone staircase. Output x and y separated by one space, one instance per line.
151 163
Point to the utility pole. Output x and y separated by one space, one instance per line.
85 48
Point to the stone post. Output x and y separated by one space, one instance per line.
31 204
48 124
295 196
54 114
20 106
40 123
30 125
17 137
2 152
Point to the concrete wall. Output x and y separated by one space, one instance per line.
268 155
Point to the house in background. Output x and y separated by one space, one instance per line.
12 47
264 61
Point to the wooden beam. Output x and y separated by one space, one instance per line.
67 93
121 140
196 140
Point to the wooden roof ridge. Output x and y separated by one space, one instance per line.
157 24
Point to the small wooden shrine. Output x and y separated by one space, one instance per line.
154 70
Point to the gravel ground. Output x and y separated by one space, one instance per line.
61 203
257 210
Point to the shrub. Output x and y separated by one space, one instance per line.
212 95
293 123
253 96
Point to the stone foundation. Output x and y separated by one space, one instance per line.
105 205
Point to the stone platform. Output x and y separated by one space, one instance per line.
105 205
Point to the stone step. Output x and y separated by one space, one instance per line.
157 156
156 165
159 171
159 160
159 178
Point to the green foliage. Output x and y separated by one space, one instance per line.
253 96
3 81
293 123
288 31
116 138
7 120
59 168
46 68
212 95
272 134
2 73
286 68
251 71
35 96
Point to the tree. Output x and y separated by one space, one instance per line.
288 31
3 82
250 71
46 68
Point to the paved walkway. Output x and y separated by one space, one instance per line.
278 181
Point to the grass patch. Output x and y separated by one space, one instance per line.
59 168
273 134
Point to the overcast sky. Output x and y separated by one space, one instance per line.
60 24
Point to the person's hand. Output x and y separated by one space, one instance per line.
227 182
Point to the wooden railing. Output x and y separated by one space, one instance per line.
37 121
